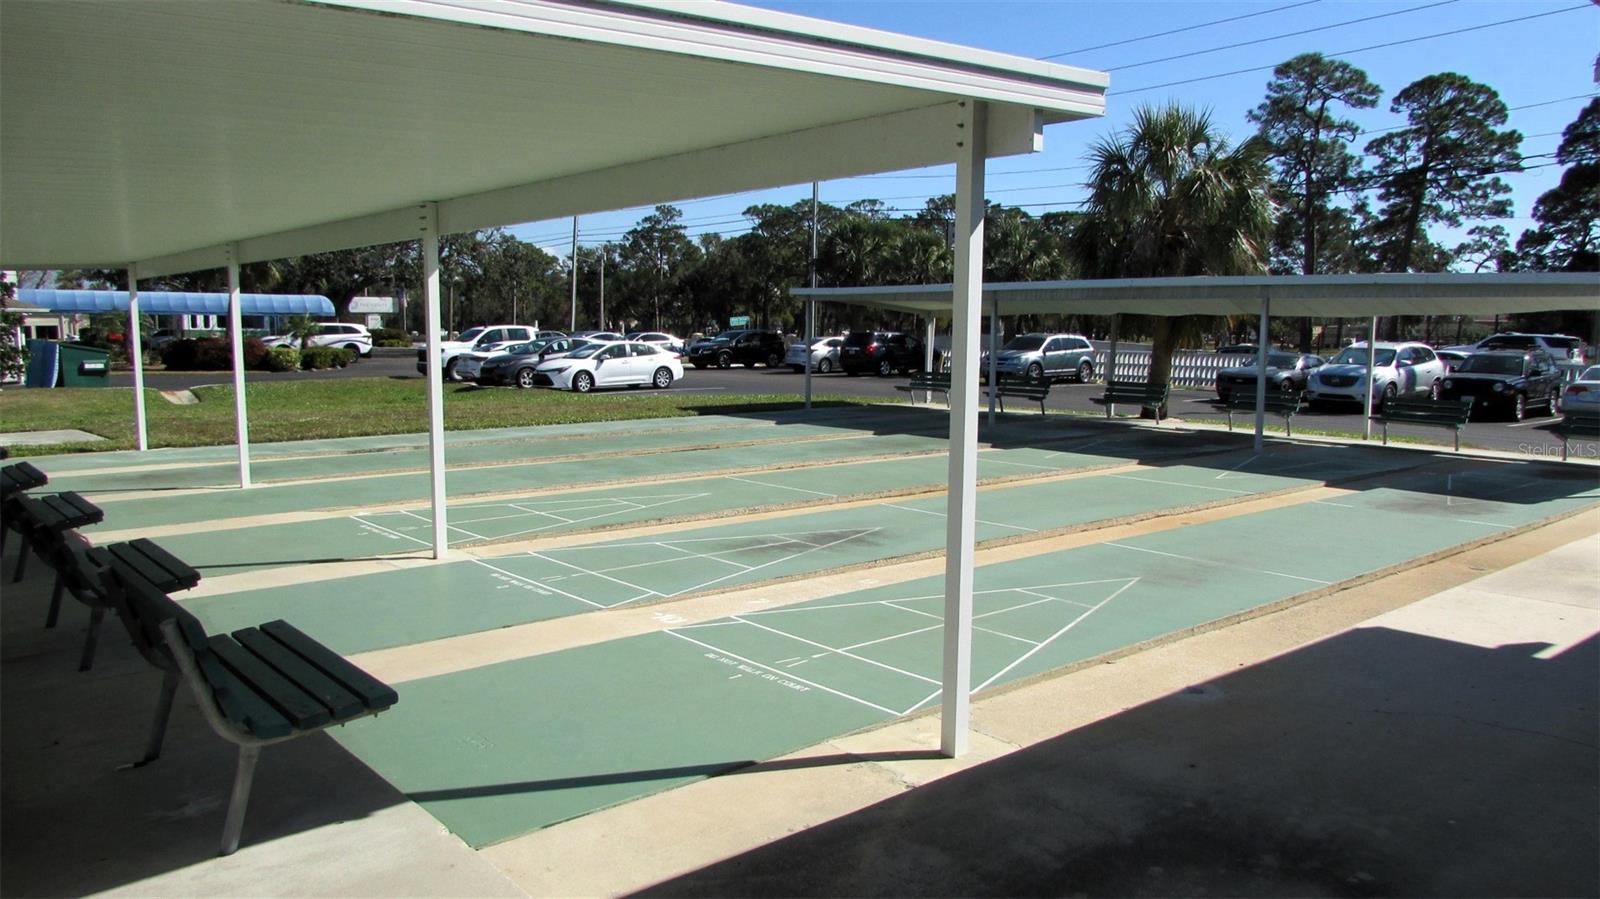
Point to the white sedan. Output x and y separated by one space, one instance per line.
824 355
1583 395
620 364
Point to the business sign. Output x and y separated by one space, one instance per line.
381 305
739 321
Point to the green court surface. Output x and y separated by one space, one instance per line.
497 751
396 608
515 446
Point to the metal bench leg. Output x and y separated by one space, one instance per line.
1564 447
1386 432
55 602
1458 440
22 562
158 729
242 778
91 639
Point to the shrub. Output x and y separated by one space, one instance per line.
348 357
282 358
379 335
255 353
179 355
400 342
317 357
213 354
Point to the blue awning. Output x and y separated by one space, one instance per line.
158 302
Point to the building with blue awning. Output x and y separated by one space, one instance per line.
194 312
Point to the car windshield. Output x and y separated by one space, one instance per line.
587 351
1592 373
471 334
1489 364
1027 343
1357 355
861 338
1282 360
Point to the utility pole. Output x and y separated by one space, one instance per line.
574 325
811 302
602 287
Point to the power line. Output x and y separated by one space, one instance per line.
1135 40
1409 40
1275 37
1508 109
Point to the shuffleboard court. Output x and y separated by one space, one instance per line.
383 610
500 750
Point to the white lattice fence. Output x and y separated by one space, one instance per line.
1188 369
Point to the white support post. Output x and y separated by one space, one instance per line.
994 349
136 357
574 325
1372 354
1261 376
430 293
236 336
1111 359
927 349
961 507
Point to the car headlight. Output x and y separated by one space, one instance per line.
1500 387
1448 384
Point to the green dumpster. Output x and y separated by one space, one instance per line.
84 366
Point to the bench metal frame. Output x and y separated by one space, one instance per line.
1584 420
1452 414
929 383
1141 393
1028 391
1284 403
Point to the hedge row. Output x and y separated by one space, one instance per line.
216 354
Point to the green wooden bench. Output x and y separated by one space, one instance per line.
1134 393
1583 422
1028 390
1278 402
927 382
16 479
256 687
42 519
78 574
1451 414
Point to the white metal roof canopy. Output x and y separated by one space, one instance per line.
240 132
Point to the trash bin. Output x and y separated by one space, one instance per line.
84 366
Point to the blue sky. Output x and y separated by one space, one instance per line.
1543 58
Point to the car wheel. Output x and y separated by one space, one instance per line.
1389 391
1435 391
825 366
354 349
1085 372
450 371
583 382
1519 407
1035 372
885 369
774 360
1287 385
724 360
1555 402
525 378
663 378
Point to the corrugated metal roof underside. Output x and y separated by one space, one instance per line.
1342 296
140 129
157 302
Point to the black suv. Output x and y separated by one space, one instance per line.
1505 381
735 347
884 352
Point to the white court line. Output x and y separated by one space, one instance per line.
390 531
647 590
1052 638
1014 527
613 511
1020 464
1158 552
1029 592
447 524
1129 477
1233 468
814 548
692 555
920 630
802 680
837 650
783 487
539 584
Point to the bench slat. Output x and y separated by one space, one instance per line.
238 703
302 709
333 696
375 693
155 564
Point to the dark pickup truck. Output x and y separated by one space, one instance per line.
1508 382
731 348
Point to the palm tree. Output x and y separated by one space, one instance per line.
1170 196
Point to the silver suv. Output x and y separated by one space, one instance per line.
1399 369
1045 357
1560 347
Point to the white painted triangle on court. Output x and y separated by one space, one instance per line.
505 520
611 574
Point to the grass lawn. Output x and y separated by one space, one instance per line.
308 410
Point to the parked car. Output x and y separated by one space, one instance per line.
619 364
750 348
884 352
479 338
658 338
598 335
1238 349
1285 372
1399 369
1560 347
350 337
1451 358
468 364
516 363
1582 395
823 355
1043 357
1506 381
